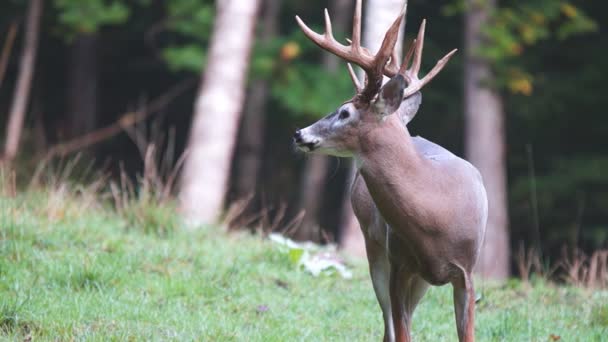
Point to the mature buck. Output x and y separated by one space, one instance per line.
422 210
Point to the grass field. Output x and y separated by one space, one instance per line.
71 269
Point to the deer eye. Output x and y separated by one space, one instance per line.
344 114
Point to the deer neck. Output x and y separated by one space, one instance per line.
392 169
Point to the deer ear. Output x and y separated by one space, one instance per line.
390 96
409 107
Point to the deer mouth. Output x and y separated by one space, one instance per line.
307 147
303 144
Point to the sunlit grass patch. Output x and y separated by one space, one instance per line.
95 276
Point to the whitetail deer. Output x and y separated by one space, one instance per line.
422 210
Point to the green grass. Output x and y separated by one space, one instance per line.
73 270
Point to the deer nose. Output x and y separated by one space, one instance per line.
297 137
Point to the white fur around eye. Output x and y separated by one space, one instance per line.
340 121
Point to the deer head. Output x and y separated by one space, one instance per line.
339 133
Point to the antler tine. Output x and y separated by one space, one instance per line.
419 46
353 53
418 84
411 75
375 66
393 68
328 29
380 67
408 58
354 78
388 43
393 60
312 35
356 36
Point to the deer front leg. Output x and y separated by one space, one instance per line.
398 297
406 290
379 269
464 307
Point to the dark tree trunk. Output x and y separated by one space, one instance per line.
253 124
82 85
485 142
24 80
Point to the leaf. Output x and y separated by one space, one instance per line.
295 255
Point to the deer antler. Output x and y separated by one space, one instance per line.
375 66
414 84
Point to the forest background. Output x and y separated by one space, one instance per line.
119 83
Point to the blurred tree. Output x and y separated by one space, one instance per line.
83 78
253 125
378 16
24 80
485 140
495 40
217 111
79 22
551 80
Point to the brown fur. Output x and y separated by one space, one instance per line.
435 208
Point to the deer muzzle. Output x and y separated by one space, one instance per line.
305 142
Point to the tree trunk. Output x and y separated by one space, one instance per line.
485 142
217 112
311 196
315 169
24 80
82 85
378 16
253 125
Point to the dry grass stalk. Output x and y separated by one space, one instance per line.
529 261
585 271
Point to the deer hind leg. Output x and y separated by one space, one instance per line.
464 307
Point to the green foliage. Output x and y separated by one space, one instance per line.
516 27
303 87
524 24
191 22
190 18
204 285
190 57
308 90
86 16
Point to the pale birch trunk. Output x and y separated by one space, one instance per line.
217 112
27 65
485 142
378 16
